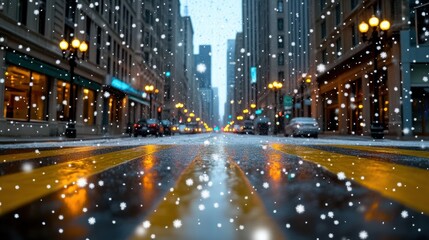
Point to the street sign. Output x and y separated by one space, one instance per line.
287 102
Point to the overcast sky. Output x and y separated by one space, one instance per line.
214 22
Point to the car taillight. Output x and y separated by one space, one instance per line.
152 125
136 125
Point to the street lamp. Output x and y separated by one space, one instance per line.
378 31
150 89
71 52
275 86
179 106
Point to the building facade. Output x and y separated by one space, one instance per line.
125 53
345 71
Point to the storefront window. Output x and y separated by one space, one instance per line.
89 104
25 95
63 95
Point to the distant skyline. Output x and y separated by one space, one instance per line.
214 22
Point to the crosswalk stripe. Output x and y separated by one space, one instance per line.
230 209
21 188
398 151
404 184
44 153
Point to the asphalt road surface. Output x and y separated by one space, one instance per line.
215 186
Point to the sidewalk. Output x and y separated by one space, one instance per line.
13 140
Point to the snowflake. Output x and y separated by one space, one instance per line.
300 208
404 214
177 223
341 175
363 235
205 194
123 205
91 220
146 224
81 182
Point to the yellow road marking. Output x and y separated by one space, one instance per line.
21 188
404 184
186 214
407 152
44 154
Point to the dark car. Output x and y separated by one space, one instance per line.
302 126
247 127
168 127
146 127
262 126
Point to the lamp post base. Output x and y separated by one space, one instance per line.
70 130
377 131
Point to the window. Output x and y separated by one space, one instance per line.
89 104
98 52
280 42
355 35
339 47
322 4
280 24
323 29
22 11
280 5
26 95
63 98
281 59
281 76
324 56
354 3
337 14
42 16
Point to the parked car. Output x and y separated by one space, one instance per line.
182 128
168 127
146 127
302 126
192 127
175 129
247 127
262 125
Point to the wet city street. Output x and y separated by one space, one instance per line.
215 186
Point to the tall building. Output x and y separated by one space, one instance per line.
203 63
230 80
202 68
294 36
177 29
264 60
237 104
216 121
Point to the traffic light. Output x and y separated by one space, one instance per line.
159 109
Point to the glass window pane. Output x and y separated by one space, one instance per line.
63 96
39 96
16 100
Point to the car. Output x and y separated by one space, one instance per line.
262 125
192 127
181 128
302 126
146 127
247 127
168 127
175 129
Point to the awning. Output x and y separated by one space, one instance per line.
139 100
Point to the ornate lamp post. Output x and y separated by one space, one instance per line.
275 86
71 53
150 89
378 32
179 106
